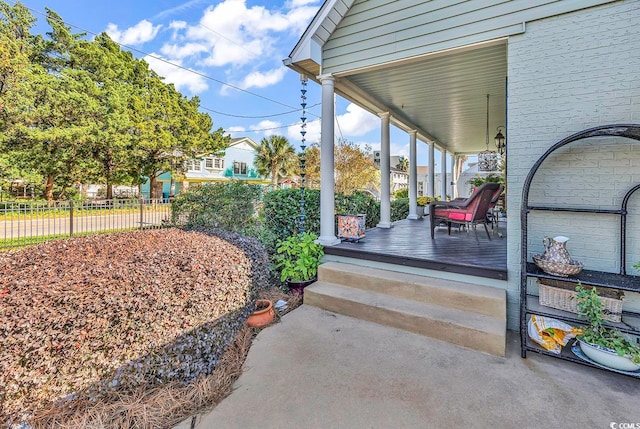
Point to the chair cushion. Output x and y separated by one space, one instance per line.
454 214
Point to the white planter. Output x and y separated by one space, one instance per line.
608 357
420 210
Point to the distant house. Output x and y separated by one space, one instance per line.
398 179
236 163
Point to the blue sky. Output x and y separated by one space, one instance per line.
238 42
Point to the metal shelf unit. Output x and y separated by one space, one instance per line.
529 303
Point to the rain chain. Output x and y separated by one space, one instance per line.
303 157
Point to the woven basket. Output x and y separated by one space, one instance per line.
561 295
556 268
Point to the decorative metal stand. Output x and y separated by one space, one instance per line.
529 303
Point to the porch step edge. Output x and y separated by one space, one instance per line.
454 294
468 329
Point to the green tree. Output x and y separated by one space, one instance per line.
354 168
168 129
111 70
276 157
403 164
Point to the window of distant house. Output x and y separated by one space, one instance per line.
214 163
193 165
239 168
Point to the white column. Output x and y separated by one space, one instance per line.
431 190
454 176
443 175
413 176
327 181
385 172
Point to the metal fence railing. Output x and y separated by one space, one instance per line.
26 222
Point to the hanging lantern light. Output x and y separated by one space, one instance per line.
501 141
487 159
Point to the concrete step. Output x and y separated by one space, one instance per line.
430 290
464 328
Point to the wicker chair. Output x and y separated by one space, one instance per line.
468 212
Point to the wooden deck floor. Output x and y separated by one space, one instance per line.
409 243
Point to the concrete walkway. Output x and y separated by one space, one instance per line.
316 369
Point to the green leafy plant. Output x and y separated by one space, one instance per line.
479 180
298 257
592 308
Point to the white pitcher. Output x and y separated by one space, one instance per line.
556 249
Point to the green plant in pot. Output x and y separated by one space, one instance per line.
298 258
604 345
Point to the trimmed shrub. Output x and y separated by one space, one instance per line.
359 202
88 317
399 209
282 210
230 206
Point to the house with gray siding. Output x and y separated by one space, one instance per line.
450 73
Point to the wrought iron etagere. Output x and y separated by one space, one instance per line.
622 281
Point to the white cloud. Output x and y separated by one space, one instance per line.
258 79
143 31
181 78
357 122
234 34
177 51
399 150
297 3
312 136
267 128
237 131
181 7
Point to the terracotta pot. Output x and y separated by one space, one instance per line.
298 287
263 315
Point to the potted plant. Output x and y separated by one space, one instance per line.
262 315
604 345
424 201
298 258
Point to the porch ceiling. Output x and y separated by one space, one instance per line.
442 95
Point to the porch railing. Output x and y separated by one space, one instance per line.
25 222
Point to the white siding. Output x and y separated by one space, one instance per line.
379 31
566 74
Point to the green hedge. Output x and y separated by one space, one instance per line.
399 209
228 206
282 208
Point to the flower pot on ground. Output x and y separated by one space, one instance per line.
603 345
298 258
262 315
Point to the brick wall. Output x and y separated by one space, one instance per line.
566 74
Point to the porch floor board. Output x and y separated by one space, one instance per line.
409 243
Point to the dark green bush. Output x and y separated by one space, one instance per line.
282 208
359 202
281 212
229 206
399 209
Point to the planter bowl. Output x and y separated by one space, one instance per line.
264 316
608 357
298 287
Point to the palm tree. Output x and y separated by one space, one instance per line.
276 157
403 164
